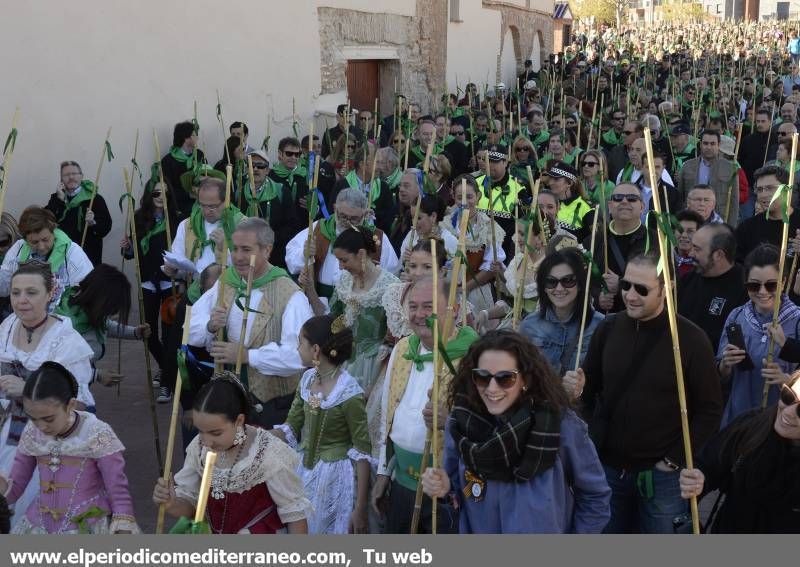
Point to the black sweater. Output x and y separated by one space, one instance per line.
760 230
641 402
93 247
173 169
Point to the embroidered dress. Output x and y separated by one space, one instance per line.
530 293
479 252
82 478
256 494
332 433
396 316
364 314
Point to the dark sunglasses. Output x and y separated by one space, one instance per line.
260 165
640 289
754 287
157 193
505 378
590 163
630 197
522 149
789 398
288 153
567 282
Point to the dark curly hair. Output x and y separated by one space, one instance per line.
317 331
354 239
542 383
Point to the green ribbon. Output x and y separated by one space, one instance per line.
11 140
268 191
184 370
81 520
785 192
84 195
160 226
393 180
124 197
185 526
239 284
181 157
230 218
109 153
328 228
58 254
597 273
78 317
355 183
455 349
135 168
288 175
194 292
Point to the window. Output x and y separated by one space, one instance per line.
455 11
719 10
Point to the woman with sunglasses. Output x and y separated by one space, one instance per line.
755 465
517 458
594 176
744 366
554 327
523 155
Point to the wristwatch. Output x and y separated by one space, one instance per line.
670 464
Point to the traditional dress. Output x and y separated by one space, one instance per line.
257 493
333 435
326 266
67 260
396 314
530 292
82 478
479 252
278 311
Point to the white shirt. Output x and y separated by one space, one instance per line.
206 256
408 426
449 239
329 273
272 359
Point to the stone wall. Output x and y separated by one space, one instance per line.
525 23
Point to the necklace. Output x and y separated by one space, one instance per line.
321 377
30 330
218 492
55 450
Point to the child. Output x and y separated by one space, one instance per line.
79 458
254 488
328 415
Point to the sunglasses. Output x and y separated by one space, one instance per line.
289 153
630 197
398 141
640 289
567 282
157 193
788 398
505 378
260 166
590 164
754 287
522 149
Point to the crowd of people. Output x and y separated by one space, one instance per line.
458 325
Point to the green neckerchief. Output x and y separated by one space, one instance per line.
447 140
420 152
288 174
230 218
268 191
85 193
194 292
374 188
455 348
57 256
239 284
179 156
78 317
393 180
328 228
627 173
160 226
611 137
302 166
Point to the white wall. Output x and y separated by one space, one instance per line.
508 62
472 46
536 53
398 7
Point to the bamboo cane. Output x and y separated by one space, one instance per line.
9 152
346 133
168 232
673 324
222 257
140 297
374 165
173 422
491 216
205 487
96 186
769 133
600 123
222 127
586 290
781 266
375 125
436 368
426 165
243 331
522 271
253 190
122 263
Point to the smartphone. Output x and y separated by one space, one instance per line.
736 338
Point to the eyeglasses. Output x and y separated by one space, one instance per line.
210 208
754 287
640 289
156 193
289 153
260 165
353 220
505 378
788 397
590 164
567 282
522 149
630 197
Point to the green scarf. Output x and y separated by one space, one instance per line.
160 226
456 348
328 228
230 218
302 166
420 152
78 317
57 256
288 174
355 183
268 191
233 280
393 180
612 138
84 195
180 157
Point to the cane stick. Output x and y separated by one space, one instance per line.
426 165
243 331
586 290
491 216
222 127
173 422
149 371
8 153
673 324
222 258
96 186
522 270
372 181
205 487
122 261
781 266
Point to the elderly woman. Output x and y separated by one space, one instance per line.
41 240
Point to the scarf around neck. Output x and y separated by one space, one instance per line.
268 191
57 256
230 218
84 195
455 348
179 156
515 448
158 228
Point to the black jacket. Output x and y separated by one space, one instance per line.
93 247
173 170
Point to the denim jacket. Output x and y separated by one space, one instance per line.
558 341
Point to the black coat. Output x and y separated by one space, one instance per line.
93 247
173 169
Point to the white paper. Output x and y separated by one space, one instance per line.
182 264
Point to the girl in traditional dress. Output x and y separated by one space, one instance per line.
255 488
480 256
329 419
431 213
79 460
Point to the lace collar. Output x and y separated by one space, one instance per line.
346 387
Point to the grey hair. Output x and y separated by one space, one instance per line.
415 171
391 157
265 236
352 198
652 122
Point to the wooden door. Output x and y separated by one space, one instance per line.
363 83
